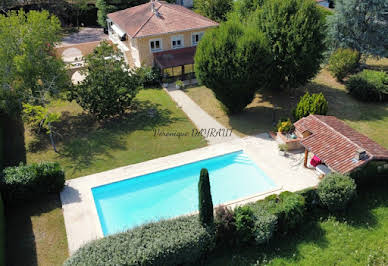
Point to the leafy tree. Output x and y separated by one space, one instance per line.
109 86
206 215
244 8
311 104
80 6
359 25
216 10
232 60
29 71
295 31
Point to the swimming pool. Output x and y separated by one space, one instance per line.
174 192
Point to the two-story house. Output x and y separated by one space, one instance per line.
159 34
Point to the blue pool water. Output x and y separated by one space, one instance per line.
173 192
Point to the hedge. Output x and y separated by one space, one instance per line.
2 233
180 241
369 86
374 172
27 182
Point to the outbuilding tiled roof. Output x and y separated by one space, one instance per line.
336 144
141 21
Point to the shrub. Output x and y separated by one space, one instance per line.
149 76
311 104
27 182
373 173
335 191
285 126
169 242
225 227
369 85
343 62
288 207
205 202
2 233
265 226
310 197
245 223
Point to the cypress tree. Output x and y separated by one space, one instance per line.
206 216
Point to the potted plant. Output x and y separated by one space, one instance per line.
179 84
283 149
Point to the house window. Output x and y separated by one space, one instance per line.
196 37
177 41
156 45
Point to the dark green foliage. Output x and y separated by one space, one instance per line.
311 104
216 10
179 241
343 62
225 227
109 88
245 223
288 207
265 226
2 233
244 8
335 191
232 61
205 202
373 173
369 85
28 182
149 76
310 197
295 31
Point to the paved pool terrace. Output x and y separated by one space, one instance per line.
80 214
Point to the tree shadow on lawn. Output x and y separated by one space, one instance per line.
21 239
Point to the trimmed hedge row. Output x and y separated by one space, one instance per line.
369 86
27 182
168 242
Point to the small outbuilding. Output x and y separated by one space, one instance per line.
341 148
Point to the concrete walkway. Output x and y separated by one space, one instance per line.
212 130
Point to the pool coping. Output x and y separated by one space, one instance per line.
80 213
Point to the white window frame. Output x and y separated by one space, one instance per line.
156 50
196 33
176 38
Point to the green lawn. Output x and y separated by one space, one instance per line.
357 237
37 229
86 147
269 106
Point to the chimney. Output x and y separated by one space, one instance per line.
360 154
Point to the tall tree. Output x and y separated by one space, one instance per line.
216 10
243 8
232 60
80 6
206 213
360 25
295 31
29 71
109 87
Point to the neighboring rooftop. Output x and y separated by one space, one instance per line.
141 21
336 144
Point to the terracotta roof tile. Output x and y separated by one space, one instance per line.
140 21
335 143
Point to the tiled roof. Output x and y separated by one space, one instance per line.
140 21
178 57
335 143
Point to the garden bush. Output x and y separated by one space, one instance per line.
285 126
288 207
265 226
369 85
27 182
373 173
311 104
343 62
168 242
225 227
2 233
149 76
245 223
310 197
206 215
335 191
